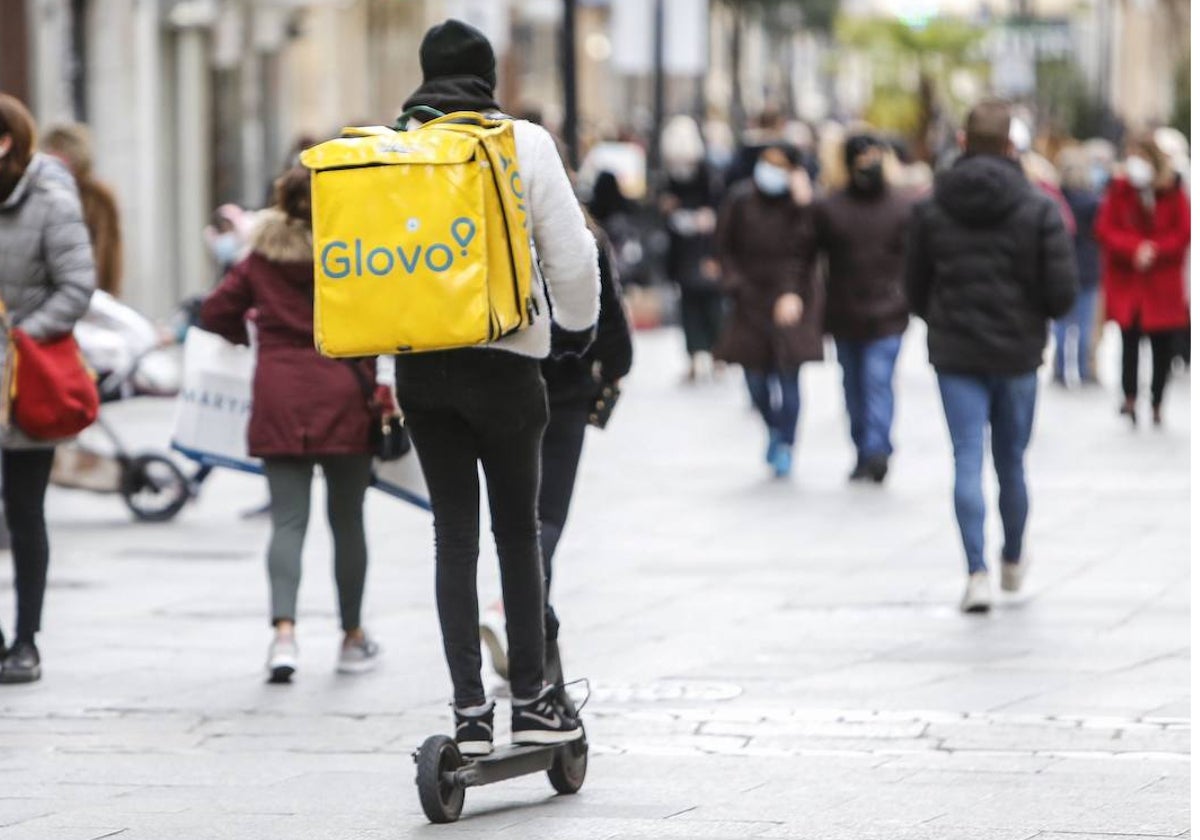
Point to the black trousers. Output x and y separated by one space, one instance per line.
465 408
701 311
25 474
1162 353
561 450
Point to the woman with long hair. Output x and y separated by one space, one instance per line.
47 275
308 412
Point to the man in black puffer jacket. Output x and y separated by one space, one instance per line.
989 264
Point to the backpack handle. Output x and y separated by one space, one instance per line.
403 120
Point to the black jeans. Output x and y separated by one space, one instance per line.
1162 352
701 312
465 408
25 474
561 450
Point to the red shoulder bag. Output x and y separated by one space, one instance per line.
52 393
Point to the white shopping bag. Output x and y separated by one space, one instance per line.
402 479
213 409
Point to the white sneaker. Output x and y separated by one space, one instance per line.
1012 575
282 658
494 635
358 656
978 597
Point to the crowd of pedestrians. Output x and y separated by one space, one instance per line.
774 245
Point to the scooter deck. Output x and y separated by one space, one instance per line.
506 762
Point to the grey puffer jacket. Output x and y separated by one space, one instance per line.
47 273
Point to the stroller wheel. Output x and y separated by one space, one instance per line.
154 489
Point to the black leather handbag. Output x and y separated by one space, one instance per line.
389 438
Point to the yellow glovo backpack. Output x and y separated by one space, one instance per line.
421 238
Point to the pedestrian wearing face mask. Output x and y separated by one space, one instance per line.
764 242
688 204
861 231
1144 227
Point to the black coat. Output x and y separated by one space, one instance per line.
765 245
572 381
689 249
989 261
1085 205
863 240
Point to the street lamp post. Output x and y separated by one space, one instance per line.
660 90
570 126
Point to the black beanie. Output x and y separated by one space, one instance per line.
856 144
454 48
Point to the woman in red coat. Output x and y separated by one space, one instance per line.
1144 227
308 411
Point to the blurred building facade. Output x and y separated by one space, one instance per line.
194 103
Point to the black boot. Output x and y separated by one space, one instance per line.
877 468
21 664
860 472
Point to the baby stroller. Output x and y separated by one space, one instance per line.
133 366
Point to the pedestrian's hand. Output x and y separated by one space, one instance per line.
801 187
789 309
1144 256
385 400
710 269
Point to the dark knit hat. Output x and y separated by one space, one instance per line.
856 144
455 48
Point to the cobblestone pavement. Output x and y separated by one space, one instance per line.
768 659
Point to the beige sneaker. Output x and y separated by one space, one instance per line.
978 597
1012 575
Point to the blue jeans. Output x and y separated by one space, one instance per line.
1082 321
1006 403
776 395
867 370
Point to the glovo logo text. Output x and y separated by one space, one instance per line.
341 259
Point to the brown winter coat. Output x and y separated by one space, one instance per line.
304 403
863 240
766 249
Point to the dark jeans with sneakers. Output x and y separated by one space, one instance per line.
868 368
466 408
561 450
776 397
973 404
25 474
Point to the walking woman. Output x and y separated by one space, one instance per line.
487 406
308 411
765 244
47 275
689 204
1144 227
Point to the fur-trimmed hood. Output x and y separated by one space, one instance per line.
281 239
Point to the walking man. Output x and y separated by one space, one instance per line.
861 231
989 263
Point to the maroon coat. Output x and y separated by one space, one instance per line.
304 403
766 247
1156 297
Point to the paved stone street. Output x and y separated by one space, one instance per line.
778 660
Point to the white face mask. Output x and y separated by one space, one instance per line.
771 179
1139 171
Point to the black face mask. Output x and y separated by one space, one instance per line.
867 180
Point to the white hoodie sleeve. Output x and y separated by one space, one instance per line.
566 248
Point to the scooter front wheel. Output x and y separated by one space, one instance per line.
441 797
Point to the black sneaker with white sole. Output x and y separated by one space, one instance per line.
473 730
544 720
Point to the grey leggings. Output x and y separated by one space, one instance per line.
290 482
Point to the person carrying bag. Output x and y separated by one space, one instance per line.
483 402
47 275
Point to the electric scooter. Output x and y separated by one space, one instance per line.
444 774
